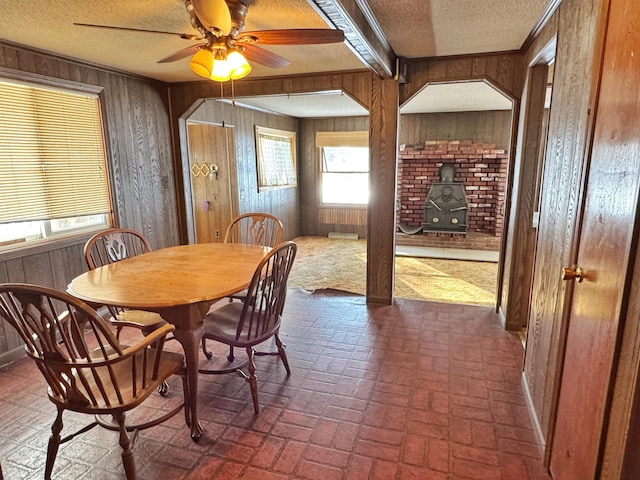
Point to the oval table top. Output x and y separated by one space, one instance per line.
173 276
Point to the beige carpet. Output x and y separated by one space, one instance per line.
341 264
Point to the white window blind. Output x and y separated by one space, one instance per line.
52 158
276 158
342 139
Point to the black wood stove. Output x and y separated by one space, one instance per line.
446 206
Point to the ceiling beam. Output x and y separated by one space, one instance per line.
362 33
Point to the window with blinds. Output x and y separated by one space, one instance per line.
344 167
276 156
52 163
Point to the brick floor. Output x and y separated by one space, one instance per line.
415 390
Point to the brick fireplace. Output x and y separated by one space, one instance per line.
480 166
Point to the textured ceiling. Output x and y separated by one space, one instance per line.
427 28
457 97
453 97
50 27
413 28
325 104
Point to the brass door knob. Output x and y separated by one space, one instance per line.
573 273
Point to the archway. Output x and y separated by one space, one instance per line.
466 126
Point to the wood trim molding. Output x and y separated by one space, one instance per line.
540 24
363 34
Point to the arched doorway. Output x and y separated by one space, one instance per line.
450 252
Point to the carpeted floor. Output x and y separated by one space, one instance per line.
341 264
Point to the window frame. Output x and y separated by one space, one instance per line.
337 139
291 138
71 236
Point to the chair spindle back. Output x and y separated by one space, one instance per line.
255 229
266 294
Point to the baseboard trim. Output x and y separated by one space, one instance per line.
534 417
342 236
11 356
502 318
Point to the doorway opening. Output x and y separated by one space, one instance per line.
456 220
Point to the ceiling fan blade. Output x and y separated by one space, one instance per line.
186 36
185 52
264 57
299 36
213 14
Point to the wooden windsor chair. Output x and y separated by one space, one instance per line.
86 368
254 228
257 319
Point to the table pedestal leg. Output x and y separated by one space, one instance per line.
189 330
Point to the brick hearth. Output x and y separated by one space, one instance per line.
470 241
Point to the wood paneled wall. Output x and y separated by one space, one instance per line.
576 24
486 127
380 97
415 129
314 219
184 96
502 70
384 124
283 203
140 164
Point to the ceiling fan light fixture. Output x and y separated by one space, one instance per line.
221 69
232 66
202 62
239 66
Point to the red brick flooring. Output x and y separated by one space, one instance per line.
416 390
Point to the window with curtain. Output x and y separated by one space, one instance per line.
344 167
52 163
276 156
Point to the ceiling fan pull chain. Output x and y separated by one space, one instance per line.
233 94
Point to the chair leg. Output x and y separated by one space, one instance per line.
118 330
54 443
207 353
253 380
283 354
186 398
125 443
231 356
163 388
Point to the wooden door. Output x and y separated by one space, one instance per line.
212 166
606 239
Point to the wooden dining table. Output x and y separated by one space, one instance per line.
180 283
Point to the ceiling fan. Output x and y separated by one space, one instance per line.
225 48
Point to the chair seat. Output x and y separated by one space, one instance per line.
241 295
139 319
221 325
103 378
